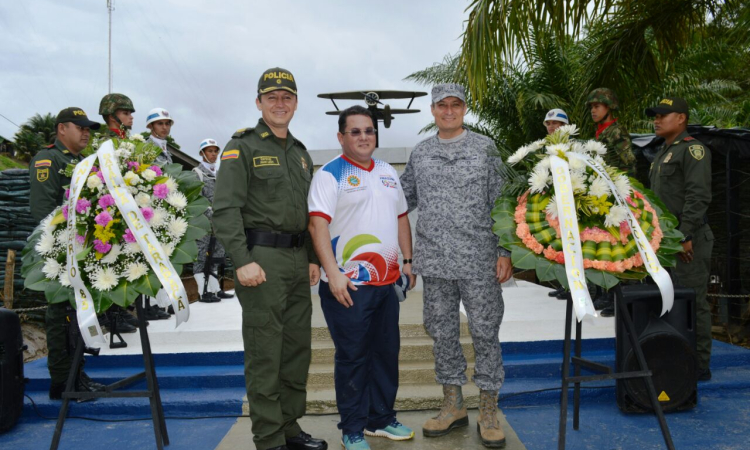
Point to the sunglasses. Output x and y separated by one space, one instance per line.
357 132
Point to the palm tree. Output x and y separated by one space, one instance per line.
34 134
630 37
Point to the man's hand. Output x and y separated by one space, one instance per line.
687 255
340 285
504 269
251 275
314 274
412 277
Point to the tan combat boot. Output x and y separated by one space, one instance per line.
488 424
452 414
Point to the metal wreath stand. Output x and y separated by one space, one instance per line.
152 391
606 371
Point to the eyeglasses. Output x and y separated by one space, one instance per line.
355 132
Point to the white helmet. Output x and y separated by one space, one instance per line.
556 114
208 143
158 114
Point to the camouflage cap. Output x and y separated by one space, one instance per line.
604 96
112 102
77 116
445 90
276 78
669 105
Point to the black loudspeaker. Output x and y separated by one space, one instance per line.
11 369
668 345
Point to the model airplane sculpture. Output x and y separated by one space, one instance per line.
372 100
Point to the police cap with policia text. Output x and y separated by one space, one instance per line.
76 116
669 105
276 78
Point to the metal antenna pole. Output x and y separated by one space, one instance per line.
110 8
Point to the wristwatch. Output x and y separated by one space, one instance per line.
407 261
687 238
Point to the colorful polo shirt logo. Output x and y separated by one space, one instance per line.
353 180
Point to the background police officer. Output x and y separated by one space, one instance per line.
48 185
117 111
260 216
681 176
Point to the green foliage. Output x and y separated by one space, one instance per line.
36 133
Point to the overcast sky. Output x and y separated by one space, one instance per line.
201 60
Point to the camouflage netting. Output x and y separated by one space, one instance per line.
16 224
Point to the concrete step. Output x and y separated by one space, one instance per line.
412 349
411 372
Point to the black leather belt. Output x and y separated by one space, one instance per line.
269 239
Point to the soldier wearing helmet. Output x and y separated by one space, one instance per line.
117 111
603 103
554 119
160 122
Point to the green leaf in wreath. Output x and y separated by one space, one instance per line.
667 260
197 207
57 293
35 278
83 253
148 284
545 269
172 169
632 275
185 253
197 228
124 294
562 276
522 257
601 278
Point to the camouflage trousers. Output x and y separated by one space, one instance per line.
483 301
203 249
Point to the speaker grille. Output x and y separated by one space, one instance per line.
673 365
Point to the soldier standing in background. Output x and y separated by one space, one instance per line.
117 111
681 177
47 193
160 123
260 216
208 245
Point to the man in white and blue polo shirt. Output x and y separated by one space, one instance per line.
358 222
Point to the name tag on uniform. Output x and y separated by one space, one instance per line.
262 161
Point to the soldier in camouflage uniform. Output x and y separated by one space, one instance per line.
453 180
603 104
117 111
681 176
208 245
48 185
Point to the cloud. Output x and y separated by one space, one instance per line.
201 60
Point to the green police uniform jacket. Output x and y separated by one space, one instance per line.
47 183
619 149
681 177
261 186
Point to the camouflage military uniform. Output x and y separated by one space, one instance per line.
209 184
454 183
619 148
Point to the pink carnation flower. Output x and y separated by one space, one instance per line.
80 239
157 169
133 165
82 205
103 218
105 201
102 247
161 191
65 211
94 169
100 175
129 237
67 194
148 213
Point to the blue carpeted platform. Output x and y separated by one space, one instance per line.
212 384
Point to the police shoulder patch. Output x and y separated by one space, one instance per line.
42 175
242 131
230 154
697 151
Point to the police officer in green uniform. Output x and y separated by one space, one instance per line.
48 186
681 176
261 217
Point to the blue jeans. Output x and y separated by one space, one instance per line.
367 341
